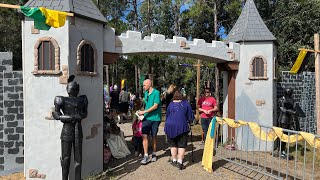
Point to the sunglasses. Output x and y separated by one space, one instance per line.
206 92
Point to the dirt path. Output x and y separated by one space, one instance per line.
130 168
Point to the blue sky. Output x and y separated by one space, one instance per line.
221 32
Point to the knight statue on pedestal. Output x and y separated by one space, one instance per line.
70 111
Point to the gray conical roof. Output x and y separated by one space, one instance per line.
250 26
85 8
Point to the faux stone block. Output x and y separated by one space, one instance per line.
13 82
19 144
9 131
18 103
13 96
12 110
8 75
20 109
19 160
13 151
12 124
12 137
8 144
19 89
19 116
9 117
19 130
17 74
8 89
8 103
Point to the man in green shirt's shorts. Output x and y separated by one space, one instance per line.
152 119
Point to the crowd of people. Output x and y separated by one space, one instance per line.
145 113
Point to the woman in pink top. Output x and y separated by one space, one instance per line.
207 106
137 137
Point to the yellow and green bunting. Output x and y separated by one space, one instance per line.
44 18
300 62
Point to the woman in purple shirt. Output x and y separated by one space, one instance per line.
179 114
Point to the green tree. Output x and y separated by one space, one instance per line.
294 24
10 30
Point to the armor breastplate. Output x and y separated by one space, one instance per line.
286 118
72 106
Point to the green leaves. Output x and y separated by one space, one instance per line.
10 30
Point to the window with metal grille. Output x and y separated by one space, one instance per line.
258 67
87 58
46 56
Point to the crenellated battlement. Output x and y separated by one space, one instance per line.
131 42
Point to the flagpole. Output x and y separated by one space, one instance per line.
317 79
18 7
309 50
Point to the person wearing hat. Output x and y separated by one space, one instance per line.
114 99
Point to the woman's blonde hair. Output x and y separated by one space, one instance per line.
172 88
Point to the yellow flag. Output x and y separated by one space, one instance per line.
299 62
54 18
122 83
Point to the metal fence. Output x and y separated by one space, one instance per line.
268 159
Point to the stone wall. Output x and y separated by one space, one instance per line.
11 117
303 86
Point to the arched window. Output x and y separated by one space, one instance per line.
86 59
47 56
258 68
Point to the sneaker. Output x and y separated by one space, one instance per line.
180 166
145 160
153 158
174 163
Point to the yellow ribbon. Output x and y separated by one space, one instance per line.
273 134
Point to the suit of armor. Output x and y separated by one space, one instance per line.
74 109
287 111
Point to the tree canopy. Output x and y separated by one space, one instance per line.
293 23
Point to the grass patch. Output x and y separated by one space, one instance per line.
308 152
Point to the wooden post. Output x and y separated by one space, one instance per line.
317 79
198 87
136 78
231 100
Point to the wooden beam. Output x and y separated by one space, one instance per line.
231 99
110 58
198 88
18 7
309 50
229 66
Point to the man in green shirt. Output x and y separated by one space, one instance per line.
152 119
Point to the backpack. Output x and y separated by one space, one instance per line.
124 96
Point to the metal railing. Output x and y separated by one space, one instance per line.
292 160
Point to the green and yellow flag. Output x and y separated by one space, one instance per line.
300 62
44 18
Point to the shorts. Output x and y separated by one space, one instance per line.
124 107
150 126
180 141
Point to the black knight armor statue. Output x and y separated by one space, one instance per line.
70 111
285 119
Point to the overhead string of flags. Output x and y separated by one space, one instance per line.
43 18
